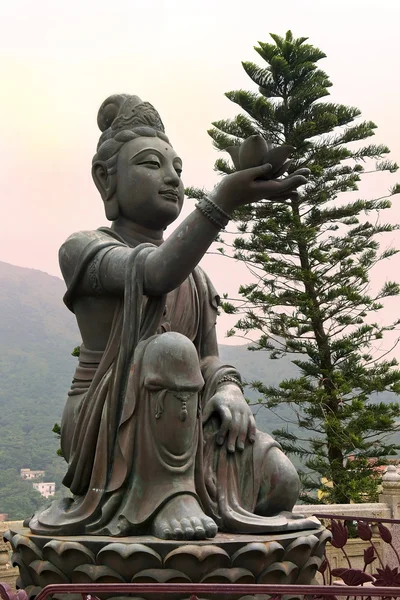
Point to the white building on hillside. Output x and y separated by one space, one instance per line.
45 488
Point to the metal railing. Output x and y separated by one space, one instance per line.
369 530
197 591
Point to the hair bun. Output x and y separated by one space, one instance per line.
124 112
110 109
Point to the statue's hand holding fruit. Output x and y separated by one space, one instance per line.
259 169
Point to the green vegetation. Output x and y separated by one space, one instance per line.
37 335
18 498
311 258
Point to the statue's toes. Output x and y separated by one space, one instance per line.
199 531
188 531
177 529
162 529
166 533
210 527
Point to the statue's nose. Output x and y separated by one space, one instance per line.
172 177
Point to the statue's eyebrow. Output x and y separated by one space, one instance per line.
144 150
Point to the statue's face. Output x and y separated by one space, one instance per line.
149 188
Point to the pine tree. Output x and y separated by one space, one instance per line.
312 257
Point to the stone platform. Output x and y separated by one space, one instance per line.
286 558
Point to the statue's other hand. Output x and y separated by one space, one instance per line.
237 421
253 185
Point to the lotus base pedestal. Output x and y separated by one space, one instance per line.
286 558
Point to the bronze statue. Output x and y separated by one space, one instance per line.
156 431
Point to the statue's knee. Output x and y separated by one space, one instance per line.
280 487
285 478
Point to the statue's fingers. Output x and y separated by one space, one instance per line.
242 433
292 182
252 431
260 171
302 171
226 418
234 432
279 188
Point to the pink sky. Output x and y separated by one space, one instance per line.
60 60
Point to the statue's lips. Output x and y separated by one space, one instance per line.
171 195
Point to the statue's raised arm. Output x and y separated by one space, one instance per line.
138 175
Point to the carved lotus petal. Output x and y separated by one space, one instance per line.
234 154
308 571
128 559
279 572
95 574
253 152
319 549
24 572
256 151
256 556
28 550
161 576
234 575
277 157
44 573
66 556
8 536
283 169
300 550
196 561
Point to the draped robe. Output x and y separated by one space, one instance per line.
105 432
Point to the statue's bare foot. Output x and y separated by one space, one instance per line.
182 519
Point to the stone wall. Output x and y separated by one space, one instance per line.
8 573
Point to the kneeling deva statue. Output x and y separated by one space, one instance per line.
156 431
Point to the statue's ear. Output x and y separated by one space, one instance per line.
106 184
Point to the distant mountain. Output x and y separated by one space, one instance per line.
37 335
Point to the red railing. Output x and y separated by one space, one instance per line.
196 591
368 529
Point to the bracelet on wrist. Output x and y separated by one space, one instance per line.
213 212
231 379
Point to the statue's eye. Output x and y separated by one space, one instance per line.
179 171
153 163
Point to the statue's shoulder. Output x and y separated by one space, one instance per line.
77 241
80 247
